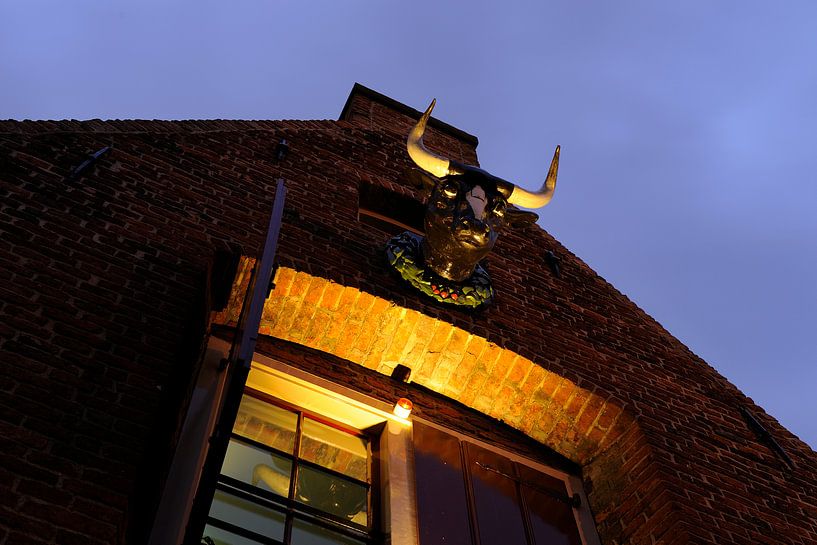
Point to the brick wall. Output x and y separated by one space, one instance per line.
103 274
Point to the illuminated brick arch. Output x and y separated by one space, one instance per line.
596 432
376 333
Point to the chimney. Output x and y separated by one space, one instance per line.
369 109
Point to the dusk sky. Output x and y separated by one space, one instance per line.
688 129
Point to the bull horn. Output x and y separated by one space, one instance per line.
430 162
526 199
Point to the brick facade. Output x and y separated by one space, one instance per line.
109 276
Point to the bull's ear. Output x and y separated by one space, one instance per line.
420 179
519 218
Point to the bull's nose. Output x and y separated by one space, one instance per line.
474 228
470 224
480 227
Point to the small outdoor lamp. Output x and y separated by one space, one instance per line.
403 408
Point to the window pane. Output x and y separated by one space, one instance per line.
332 495
442 503
552 520
499 515
257 467
267 424
334 449
248 515
223 537
304 533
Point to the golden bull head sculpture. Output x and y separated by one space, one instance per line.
466 208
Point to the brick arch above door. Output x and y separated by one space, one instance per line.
378 334
587 427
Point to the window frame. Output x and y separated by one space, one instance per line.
290 507
394 497
397 503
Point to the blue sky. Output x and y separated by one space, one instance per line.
687 129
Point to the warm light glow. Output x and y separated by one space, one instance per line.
403 407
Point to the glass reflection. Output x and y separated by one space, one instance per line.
331 494
266 424
257 467
334 449
247 514
263 455
304 533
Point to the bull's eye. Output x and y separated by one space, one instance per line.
450 190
